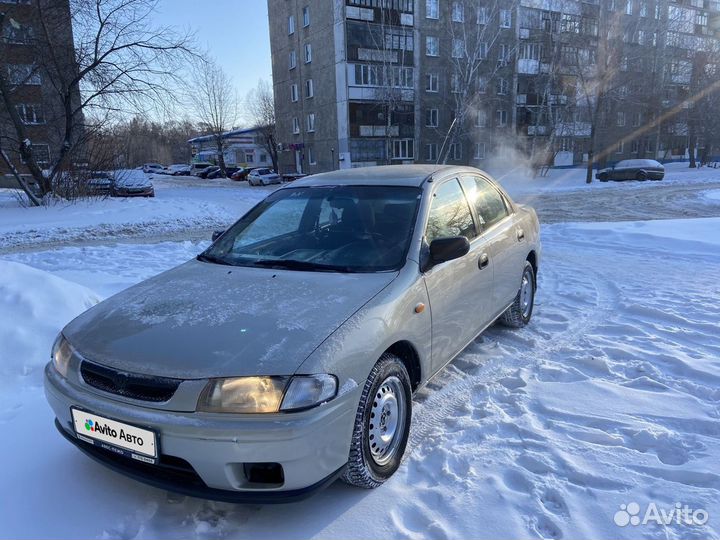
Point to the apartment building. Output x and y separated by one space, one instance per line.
370 82
32 93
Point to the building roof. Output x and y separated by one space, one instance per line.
384 175
226 135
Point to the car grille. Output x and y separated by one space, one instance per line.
130 385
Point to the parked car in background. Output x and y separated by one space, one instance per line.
290 177
149 168
197 168
132 183
229 171
216 172
211 170
179 169
286 354
241 173
101 183
633 169
263 177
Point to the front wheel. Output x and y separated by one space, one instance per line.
519 313
382 424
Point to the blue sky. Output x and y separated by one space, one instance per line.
235 32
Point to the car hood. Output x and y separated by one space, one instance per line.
203 320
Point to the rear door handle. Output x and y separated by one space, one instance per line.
520 235
483 261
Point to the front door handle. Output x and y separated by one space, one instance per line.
520 235
483 261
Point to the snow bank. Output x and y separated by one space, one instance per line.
34 306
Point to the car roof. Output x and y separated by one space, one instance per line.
383 175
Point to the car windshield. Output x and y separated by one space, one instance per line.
335 228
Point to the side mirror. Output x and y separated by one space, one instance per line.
216 235
447 249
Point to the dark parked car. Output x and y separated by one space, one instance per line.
101 183
205 173
633 169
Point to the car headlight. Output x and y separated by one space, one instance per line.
61 354
266 394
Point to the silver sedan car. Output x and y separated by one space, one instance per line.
286 354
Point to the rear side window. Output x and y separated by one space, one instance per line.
489 204
449 214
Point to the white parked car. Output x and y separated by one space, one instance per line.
263 177
153 168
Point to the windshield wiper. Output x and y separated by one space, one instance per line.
212 259
292 264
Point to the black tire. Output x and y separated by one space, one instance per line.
642 176
362 468
516 316
603 178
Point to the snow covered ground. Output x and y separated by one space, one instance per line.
611 396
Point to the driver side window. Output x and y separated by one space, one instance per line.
449 213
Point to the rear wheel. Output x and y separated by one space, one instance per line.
519 313
382 424
641 175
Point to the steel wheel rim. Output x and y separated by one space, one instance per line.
526 294
387 420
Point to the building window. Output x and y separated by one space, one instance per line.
501 118
19 74
263 158
481 119
41 153
455 151
482 50
502 86
292 61
295 125
482 83
503 57
458 11
399 41
505 18
306 16
249 157
629 7
431 118
480 150
635 147
643 9
311 122
455 83
432 46
432 82
637 119
311 156
431 152
293 92
308 53
309 92
432 9
620 118
620 148
31 114
20 34
291 24
482 15
403 149
458 48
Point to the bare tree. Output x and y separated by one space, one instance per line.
120 62
481 56
261 115
215 103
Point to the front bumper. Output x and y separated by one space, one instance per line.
202 454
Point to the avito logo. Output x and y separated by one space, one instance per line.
89 425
